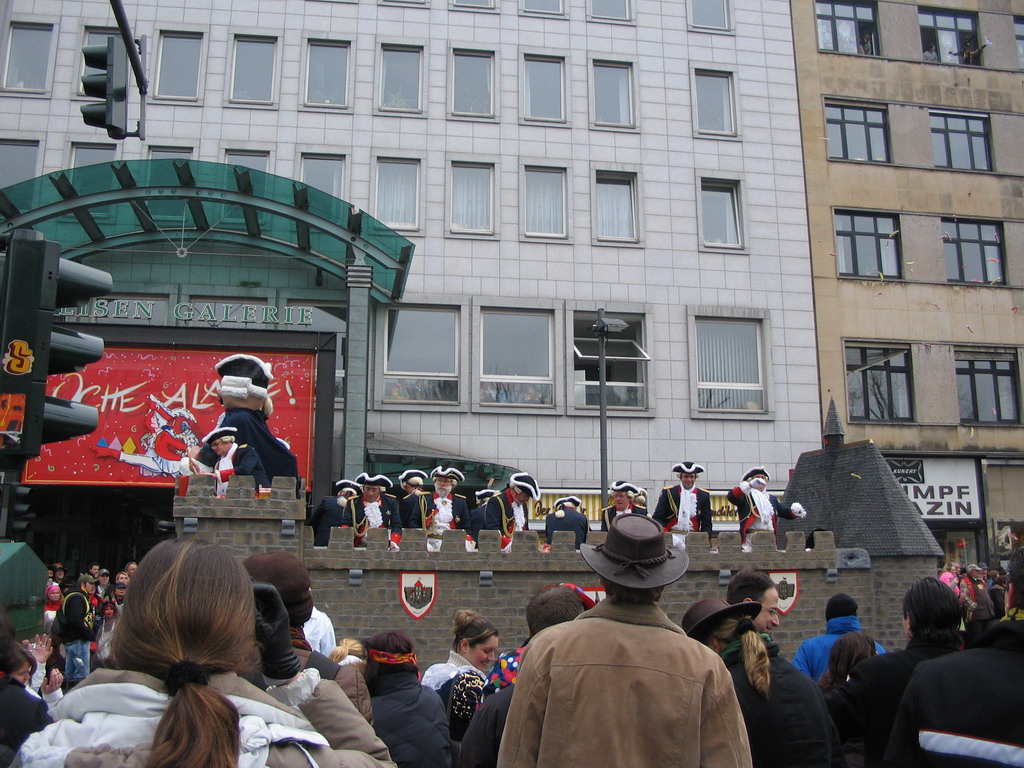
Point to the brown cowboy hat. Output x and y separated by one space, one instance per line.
635 555
704 615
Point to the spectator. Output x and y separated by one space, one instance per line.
750 586
348 651
977 603
623 685
51 606
812 657
21 713
473 649
75 628
177 700
107 621
120 590
407 716
848 651
998 594
951 577
930 732
787 722
103 584
129 571
866 705
319 632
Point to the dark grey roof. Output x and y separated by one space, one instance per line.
850 489
833 426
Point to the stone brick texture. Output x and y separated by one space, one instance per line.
246 525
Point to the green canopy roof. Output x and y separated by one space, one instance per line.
187 202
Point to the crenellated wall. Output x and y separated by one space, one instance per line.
359 588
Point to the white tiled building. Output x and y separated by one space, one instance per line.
547 158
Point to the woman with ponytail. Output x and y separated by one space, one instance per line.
175 697
788 725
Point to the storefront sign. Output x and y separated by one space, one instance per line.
154 403
941 489
188 312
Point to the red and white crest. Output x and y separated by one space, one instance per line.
788 584
417 592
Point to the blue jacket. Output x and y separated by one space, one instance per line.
812 655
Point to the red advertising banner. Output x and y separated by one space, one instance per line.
153 404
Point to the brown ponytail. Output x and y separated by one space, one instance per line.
199 728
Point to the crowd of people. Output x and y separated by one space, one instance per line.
198 659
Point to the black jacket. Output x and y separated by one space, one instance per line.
609 513
276 457
411 721
78 618
790 729
667 510
942 722
483 737
865 706
327 515
21 715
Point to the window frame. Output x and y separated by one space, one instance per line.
627 67
239 40
863 27
844 122
523 9
970 367
343 45
610 178
944 54
106 147
233 156
466 53
47 73
564 175
881 238
387 372
887 372
417 198
340 160
628 16
985 136
24 144
529 59
617 352
1018 34
166 35
953 249
385 49
734 189
483 378
703 74
453 166
699 384
726 12
469 5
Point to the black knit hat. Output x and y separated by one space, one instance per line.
840 605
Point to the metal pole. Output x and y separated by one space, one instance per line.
602 399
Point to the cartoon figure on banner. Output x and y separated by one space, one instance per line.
170 434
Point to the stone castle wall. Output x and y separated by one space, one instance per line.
359 588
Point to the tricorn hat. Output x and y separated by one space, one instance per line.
574 502
634 554
244 375
524 482
411 474
688 468
351 487
704 615
755 471
622 485
220 432
449 473
379 480
485 493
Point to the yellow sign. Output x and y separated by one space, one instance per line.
18 359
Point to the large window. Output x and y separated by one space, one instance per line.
868 245
615 206
28 57
625 363
856 133
949 37
257 161
543 94
327 73
93 154
713 14
473 3
17 161
610 9
613 93
544 202
878 383
974 251
543 6
472 82
714 102
253 73
423 356
400 79
960 141
180 55
729 367
987 387
170 153
398 193
515 355
847 28
324 172
472 198
720 213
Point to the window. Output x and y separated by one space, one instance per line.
960 141
28 57
613 93
324 172
253 74
170 153
544 202
93 154
857 133
423 356
868 245
515 356
542 6
397 193
878 383
720 222
729 376
847 28
94 37
625 363
327 74
1018 32
951 38
974 251
610 9
257 161
544 89
472 198
986 386
714 102
713 14
615 206
400 79
473 3
178 76
472 83
17 161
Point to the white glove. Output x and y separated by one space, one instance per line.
745 487
758 483
394 547
798 510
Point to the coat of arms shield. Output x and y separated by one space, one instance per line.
788 584
417 592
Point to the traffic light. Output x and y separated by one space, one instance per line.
36 282
109 83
